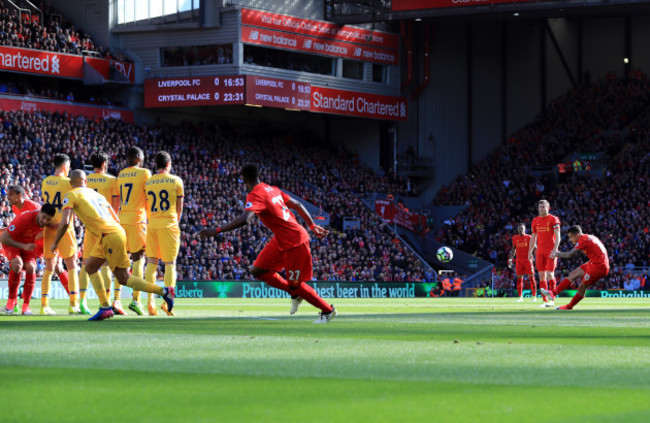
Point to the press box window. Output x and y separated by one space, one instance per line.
352 69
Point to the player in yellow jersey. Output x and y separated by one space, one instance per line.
133 214
106 185
100 219
53 189
165 206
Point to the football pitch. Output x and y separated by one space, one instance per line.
246 360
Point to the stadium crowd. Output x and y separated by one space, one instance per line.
610 116
53 33
208 158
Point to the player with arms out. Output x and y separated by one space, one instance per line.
133 215
288 249
591 272
19 241
165 206
523 265
106 185
53 189
100 219
546 237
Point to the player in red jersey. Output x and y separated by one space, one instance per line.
288 249
19 205
546 237
591 272
19 244
524 264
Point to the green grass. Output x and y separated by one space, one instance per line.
234 360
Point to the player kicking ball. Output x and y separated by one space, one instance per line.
591 272
288 249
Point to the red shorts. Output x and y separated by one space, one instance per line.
26 256
545 263
593 272
296 262
524 267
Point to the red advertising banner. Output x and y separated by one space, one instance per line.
272 92
384 210
401 5
194 91
288 41
350 103
90 111
41 62
321 29
409 220
102 66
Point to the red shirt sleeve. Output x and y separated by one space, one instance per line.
533 226
254 202
557 223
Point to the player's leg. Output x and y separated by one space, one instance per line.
267 265
136 236
152 252
92 265
15 270
46 281
30 282
169 246
520 288
551 264
73 283
299 269
89 241
64 278
532 283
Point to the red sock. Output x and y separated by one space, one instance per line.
63 277
520 285
275 280
533 286
14 283
543 284
575 300
552 284
564 284
28 288
309 294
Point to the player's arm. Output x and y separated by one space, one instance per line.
511 255
7 240
566 254
66 218
179 208
240 221
558 236
115 202
297 206
533 244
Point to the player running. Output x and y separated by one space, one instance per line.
591 272
546 237
288 249
524 265
99 218
133 215
105 184
165 206
19 241
53 189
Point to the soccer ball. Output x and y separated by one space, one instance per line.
444 254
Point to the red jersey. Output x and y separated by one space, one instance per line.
595 250
28 205
544 227
521 243
24 227
268 203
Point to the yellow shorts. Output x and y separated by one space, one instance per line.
90 240
163 244
135 237
67 246
112 248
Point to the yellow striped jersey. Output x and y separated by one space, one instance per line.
93 210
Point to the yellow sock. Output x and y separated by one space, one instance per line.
137 271
84 280
106 277
98 284
150 276
140 284
73 287
170 275
45 288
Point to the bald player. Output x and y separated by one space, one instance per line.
100 219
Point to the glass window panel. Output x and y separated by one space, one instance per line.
184 5
120 11
156 8
170 7
129 10
141 10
